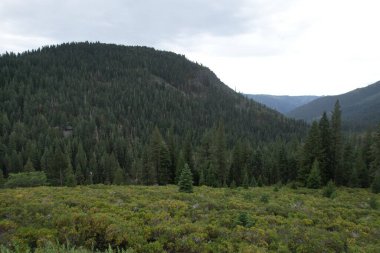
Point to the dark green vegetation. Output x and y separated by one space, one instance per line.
360 107
94 113
283 104
161 219
87 113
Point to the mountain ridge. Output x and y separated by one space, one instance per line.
281 103
360 107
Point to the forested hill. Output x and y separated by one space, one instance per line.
94 101
360 107
283 104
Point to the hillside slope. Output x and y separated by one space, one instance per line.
360 107
283 104
96 105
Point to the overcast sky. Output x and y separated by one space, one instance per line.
295 47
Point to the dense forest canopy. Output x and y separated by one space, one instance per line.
86 113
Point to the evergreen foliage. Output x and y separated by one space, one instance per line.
329 191
186 180
245 183
86 113
314 179
376 183
2 179
26 179
70 179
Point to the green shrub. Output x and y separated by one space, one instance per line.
244 220
264 198
373 203
26 179
329 191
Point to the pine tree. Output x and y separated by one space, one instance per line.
70 179
220 155
324 158
314 179
28 167
253 182
189 157
118 177
375 154
329 191
336 145
159 157
260 181
186 180
2 179
245 183
347 165
375 187
362 170
79 177
354 180
310 151
202 179
81 164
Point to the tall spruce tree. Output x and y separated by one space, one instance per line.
324 158
70 179
375 154
310 152
376 183
337 145
314 179
2 179
159 157
220 155
186 180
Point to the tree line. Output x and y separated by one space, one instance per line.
89 113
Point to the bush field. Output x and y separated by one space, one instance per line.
161 219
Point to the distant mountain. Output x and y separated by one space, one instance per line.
104 107
360 107
283 104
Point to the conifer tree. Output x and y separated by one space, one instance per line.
375 154
159 157
310 151
362 171
375 187
28 167
79 177
186 180
260 181
118 177
245 183
324 158
337 145
354 180
202 179
220 155
329 191
253 182
314 179
2 179
70 179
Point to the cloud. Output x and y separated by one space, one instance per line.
260 46
130 22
